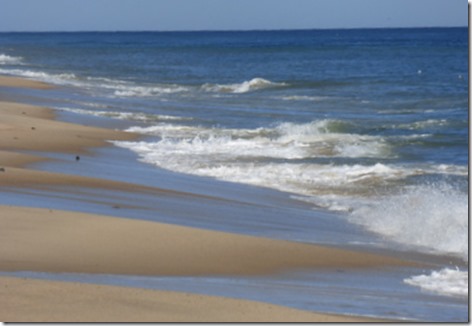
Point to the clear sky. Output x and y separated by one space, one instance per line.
164 15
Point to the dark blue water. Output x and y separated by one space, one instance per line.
372 123
366 77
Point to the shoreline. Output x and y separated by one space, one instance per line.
78 302
59 241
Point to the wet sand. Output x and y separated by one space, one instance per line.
60 241
27 300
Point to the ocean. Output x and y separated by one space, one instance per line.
369 125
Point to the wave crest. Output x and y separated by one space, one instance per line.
143 91
244 87
9 60
61 79
322 138
122 115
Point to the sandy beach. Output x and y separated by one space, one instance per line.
57 241
29 300
10 81
47 240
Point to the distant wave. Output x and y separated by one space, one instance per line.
9 60
305 98
115 87
61 79
120 115
146 91
425 124
244 87
123 89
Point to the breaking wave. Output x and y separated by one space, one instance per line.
9 60
244 87
130 116
124 89
305 98
450 282
143 91
61 79
430 217
286 140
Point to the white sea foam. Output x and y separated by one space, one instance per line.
432 217
450 282
132 116
287 140
106 81
9 60
304 98
117 88
253 161
122 88
93 104
451 169
61 79
229 159
146 91
244 87
270 157
418 125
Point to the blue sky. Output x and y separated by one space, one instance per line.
86 15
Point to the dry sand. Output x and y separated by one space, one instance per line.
58 241
27 127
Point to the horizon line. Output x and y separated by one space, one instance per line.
226 30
